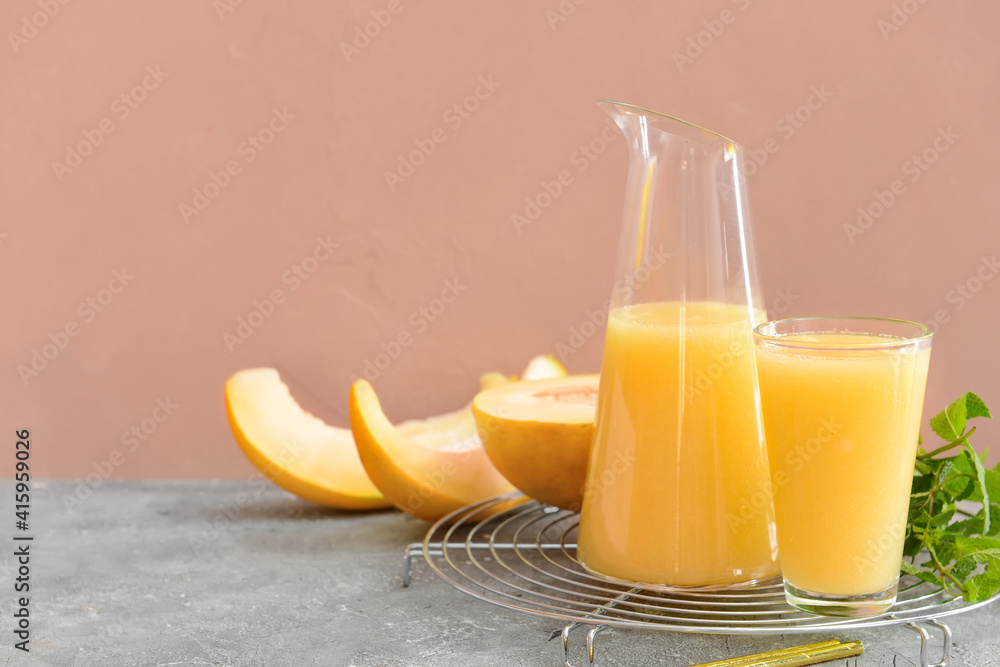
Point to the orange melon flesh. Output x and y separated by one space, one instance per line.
538 435
427 468
297 451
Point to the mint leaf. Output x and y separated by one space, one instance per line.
985 585
923 575
950 422
981 480
971 591
973 526
961 487
944 518
944 470
957 486
944 547
954 477
969 544
993 484
975 407
963 568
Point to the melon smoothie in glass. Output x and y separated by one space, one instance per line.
841 399
679 403
678 488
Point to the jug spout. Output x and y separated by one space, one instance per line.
685 201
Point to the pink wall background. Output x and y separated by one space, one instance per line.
200 77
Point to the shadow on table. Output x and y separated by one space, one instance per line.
295 509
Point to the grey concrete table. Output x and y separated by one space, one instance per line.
242 573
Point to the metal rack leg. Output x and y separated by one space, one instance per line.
590 641
925 640
565 642
411 550
610 604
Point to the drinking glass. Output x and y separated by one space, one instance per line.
841 399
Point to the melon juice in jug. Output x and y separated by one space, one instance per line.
678 492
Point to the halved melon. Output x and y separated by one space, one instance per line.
538 435
297 451
544 366
428 467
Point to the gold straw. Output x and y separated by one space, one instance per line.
795 656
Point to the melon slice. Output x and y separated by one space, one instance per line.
429 467
544 366
297 451
538 435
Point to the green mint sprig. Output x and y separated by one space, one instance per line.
961 548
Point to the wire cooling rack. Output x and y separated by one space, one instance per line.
521 554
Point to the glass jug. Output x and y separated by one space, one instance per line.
678 491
